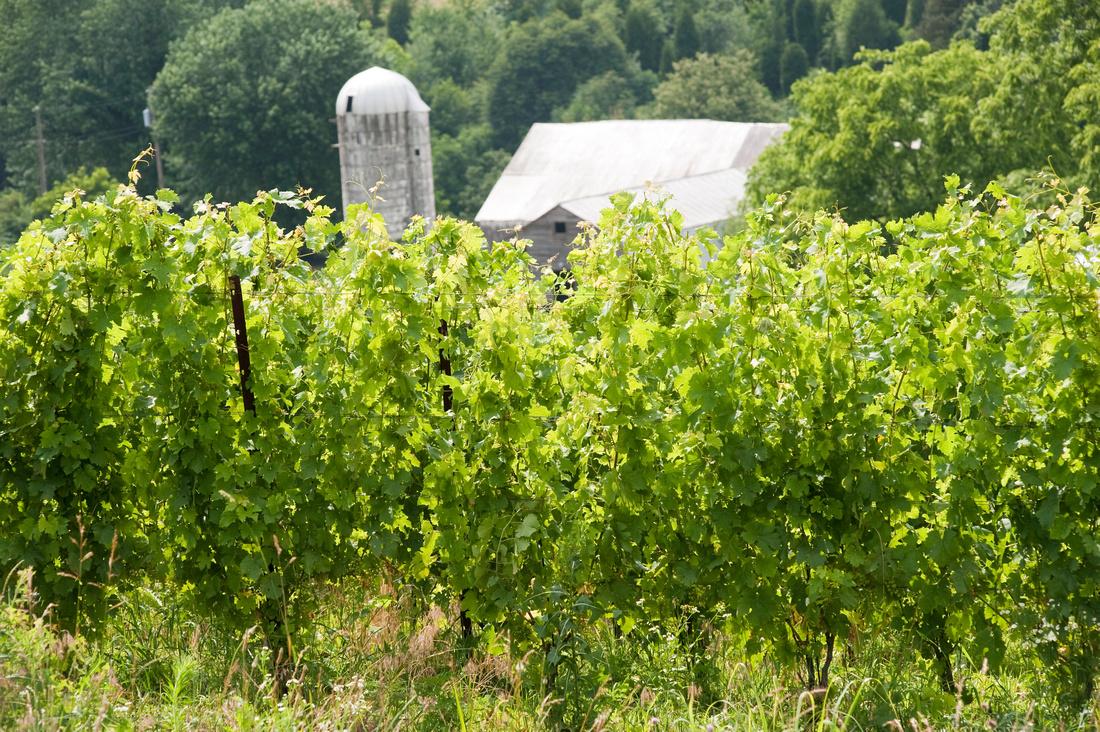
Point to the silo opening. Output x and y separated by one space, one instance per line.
348 108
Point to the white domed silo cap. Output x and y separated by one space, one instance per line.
378 91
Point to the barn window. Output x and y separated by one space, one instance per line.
559 227
348 108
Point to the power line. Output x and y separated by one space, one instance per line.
69 139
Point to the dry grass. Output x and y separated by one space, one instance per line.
379 660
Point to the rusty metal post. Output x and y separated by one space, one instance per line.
448 404
243 359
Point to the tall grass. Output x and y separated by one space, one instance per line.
379 660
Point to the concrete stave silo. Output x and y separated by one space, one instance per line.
383 132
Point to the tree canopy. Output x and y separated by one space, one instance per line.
877 138
86 65
714 86
244 101
540 67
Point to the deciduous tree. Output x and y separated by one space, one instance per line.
793 66
244 100
863 24
539 68
715 87
877 138
642 34
398 19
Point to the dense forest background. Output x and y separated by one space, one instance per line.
242 93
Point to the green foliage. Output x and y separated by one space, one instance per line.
71 510
863 24
715 87
685 36
895 10
643 35
668 58
972 18
89 185
771 35
244 100
724 25
939 19
398 19
572 8
1051 48
465 167
16 213
875 139
793 66
454 109
826 429
806 31
914 9
87 66
610 95
456 41
540 67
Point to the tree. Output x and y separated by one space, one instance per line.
668 57
793 66
572 8
539 68
244 100
877 138
465 167
724 25
642 34
453 108
91 183
457 40
895 10
770 36
971 21
397 21
34 41
122 46
863 24
686 35
806 31
939 20
914 9
17 212
14 215
1044 108
715 87
87 66
611 95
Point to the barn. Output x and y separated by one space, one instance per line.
563 174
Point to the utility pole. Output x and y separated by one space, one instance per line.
147 118
41 143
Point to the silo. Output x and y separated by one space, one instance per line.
382 127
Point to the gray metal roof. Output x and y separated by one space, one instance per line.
578 165
378 91
703 200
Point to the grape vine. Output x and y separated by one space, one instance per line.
817 429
